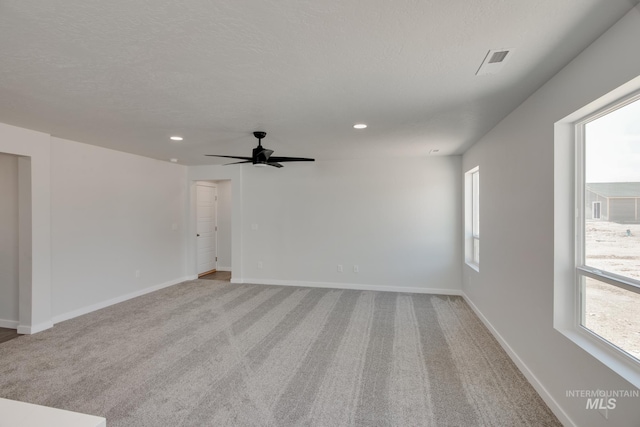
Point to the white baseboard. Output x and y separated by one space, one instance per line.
85 310
34 329
529 375
352 286
9 324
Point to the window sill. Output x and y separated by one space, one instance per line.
625 366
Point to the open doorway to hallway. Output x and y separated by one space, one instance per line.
213 229
9 241
206 227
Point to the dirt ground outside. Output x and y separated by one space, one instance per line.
612 312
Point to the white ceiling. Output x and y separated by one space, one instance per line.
128 74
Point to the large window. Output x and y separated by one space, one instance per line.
472 218
597 229
608 232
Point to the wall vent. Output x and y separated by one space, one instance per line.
494 61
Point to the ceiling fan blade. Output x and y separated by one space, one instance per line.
230 157
275 165
291 159
237 163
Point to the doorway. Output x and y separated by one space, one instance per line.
9 242
228 217
33 152
206 227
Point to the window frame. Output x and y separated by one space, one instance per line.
472 218
582 269
569 216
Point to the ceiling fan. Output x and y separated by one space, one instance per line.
262 156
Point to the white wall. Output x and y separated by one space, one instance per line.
224 225
89 218
514 288
113 214
397 219
9 290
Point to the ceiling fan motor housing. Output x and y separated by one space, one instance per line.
261 154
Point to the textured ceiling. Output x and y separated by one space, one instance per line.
129 74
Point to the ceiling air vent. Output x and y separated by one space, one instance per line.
498 56
494 61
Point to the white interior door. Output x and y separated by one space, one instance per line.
206 198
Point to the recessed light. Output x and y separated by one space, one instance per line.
176 138
360 126
173 160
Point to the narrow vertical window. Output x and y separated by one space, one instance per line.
472 218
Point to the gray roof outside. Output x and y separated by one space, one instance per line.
615 189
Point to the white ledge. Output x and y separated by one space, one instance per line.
23 414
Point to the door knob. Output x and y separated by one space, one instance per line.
197 235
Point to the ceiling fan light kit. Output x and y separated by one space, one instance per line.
262 156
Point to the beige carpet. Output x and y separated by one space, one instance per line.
207 353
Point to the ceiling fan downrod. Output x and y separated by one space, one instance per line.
259 135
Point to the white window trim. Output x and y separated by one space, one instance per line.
567 220
469 236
